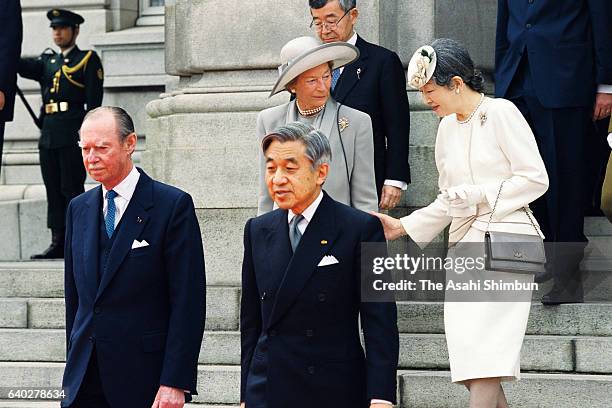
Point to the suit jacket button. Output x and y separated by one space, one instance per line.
309 333
272 333
321 297
528 26
311 370
92 339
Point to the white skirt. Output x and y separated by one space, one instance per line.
484 338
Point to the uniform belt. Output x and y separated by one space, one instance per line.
51 108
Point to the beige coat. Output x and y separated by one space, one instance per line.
359 186
496 144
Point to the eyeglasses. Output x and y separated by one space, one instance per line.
328 24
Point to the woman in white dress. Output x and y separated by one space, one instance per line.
481 142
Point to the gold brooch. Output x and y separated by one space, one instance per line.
323 242
483 118
343 123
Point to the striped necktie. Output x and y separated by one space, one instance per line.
110 212
294 232
335 77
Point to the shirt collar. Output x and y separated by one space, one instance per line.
308 213
68 51
126 188
353 39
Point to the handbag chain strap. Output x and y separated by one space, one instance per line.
523 208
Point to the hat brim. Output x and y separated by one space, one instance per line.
338 53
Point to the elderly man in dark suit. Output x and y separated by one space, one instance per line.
375 84
134 280
10 50
553 59
301 291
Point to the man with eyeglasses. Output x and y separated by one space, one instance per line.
375 84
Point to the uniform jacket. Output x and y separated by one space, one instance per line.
485 153
299 321
358 146
375 83
568 45
10 49
77 79
146 316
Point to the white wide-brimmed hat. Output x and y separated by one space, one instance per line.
303 53
421 67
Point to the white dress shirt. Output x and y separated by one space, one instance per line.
308 213
125 191
395 183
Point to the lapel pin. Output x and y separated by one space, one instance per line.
138 220
358 73
343 123
323 242
483 118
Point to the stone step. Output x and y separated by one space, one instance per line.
586 319
222 311
417 388
433 389
49 345
583 354
216 384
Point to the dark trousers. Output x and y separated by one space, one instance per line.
560 134
1 143
64 175
91 393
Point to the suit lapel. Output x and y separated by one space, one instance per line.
307 256
133 222
277 243
91 237
350 77
329 120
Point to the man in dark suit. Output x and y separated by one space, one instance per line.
301 291
70 84
134 280
375 84
553 59
10 50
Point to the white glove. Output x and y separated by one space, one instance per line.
465 196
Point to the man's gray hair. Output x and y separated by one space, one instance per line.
345 5
318 150
123 121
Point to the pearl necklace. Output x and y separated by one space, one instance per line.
461 122
309 112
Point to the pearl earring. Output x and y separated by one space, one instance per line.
457 91
293 91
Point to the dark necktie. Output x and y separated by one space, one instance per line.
335 76
294 232
110 212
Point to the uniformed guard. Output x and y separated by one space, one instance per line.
71 84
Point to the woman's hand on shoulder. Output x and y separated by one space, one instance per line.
392 226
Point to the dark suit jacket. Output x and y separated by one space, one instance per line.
380 91
568 46
146 317
299 322
10 50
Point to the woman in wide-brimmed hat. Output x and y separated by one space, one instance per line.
306 72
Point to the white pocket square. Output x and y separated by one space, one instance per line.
139 244
328 260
